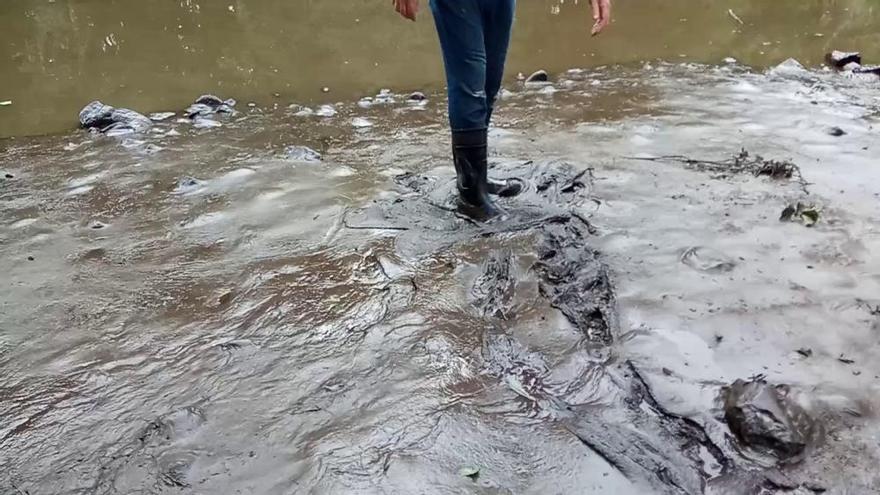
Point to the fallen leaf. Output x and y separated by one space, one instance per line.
845 360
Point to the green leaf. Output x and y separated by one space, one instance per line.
469 472
5 103
810 217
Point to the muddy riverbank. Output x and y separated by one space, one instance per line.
284 304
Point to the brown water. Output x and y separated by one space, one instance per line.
152 55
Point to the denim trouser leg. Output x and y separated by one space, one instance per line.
474 36
497 23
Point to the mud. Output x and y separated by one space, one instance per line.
290 304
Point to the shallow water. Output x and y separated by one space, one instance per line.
208 310
157 55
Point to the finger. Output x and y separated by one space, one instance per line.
596 12
606 11
408 10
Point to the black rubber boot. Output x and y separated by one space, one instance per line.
469 153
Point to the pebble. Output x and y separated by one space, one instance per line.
326 111
360 123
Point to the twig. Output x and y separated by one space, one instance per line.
735 17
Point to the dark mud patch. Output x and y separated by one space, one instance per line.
600 399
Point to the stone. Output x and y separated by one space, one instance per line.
765 418
301 154
417 96
160 116
838 59
112 121
539 76
207 105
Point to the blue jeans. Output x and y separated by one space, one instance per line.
474 36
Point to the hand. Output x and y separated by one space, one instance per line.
601 14
408 8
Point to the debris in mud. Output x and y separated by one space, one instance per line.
766 419
539 76
9 176
741 163
470 472
302 154
836 131
707 260
805 352
417 96
112 121
492 291
800 212
839 60
208 105
188 184
576 282
845 360
160 116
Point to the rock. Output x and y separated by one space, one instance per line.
851 67
160 116
836 131
790 68
9 176
205 123
838 59
112 121
326 111
417 96
539 76
301 154
188 184
207 105
868 69
765 418
360 123
95 115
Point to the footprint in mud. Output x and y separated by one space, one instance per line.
423 215
154 454
707 260
620 420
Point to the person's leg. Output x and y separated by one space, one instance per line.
460 28
497 25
